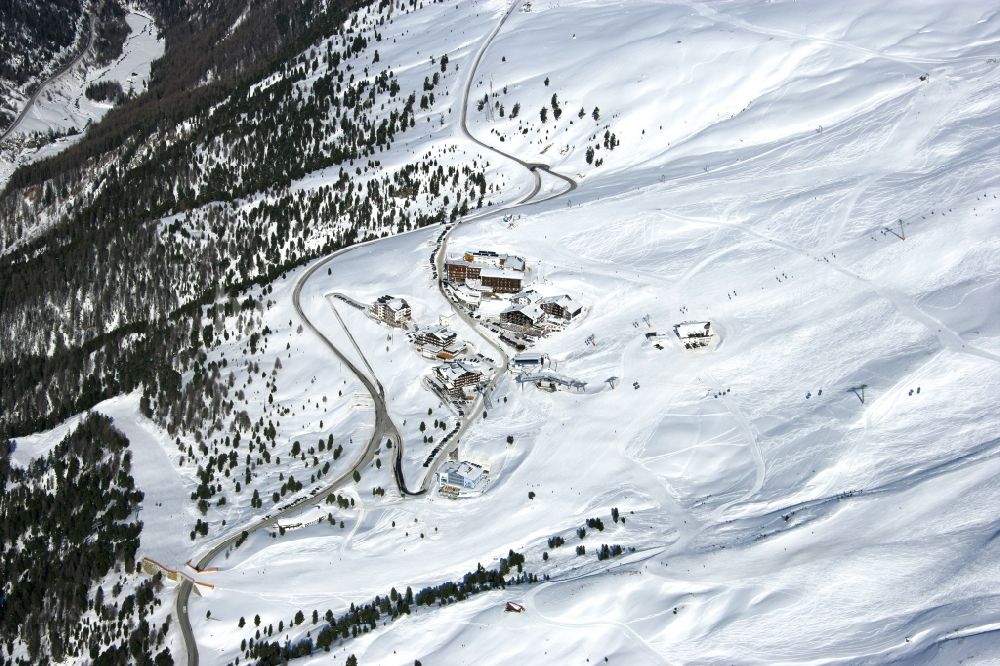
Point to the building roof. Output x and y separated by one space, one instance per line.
697 328
454 370
526 293
513 263
531 311
510 262
393 303
453 349
469 471
528 357
564 301
437 330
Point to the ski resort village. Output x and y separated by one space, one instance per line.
489 291
496 332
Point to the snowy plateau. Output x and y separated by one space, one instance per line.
819 181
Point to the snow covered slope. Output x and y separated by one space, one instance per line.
62 109
761 150
820 487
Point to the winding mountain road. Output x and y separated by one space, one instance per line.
384 429
533 167
55 75
529 199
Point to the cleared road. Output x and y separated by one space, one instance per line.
59 72
534 168
384 428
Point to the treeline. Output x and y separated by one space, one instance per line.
32 32
66 522
202 63
105 91
111 32
100 302
361 619
43 390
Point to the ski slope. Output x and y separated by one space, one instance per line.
769 526
764 150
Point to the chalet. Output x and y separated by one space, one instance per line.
530 316
562 306
455 376
694 334
465 474
501 281
439 336
393 311
526 297
438 342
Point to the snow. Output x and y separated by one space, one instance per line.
888 540
63 107
775 517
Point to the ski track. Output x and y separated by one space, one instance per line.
904 305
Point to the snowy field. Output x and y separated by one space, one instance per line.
775 517
764 152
